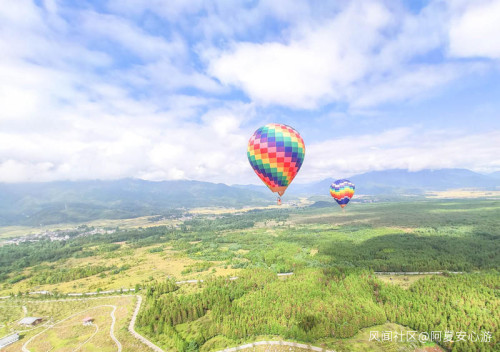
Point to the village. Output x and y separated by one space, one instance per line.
58 235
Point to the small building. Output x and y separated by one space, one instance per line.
7 340
88 321
30 321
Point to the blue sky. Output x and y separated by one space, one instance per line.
166 90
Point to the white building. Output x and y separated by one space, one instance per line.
30 321
7 340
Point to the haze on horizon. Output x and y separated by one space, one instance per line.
116 89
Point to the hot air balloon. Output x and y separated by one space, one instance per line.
342 191
276 153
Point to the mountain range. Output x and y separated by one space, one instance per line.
399 181
79 201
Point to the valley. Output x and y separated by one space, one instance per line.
331 298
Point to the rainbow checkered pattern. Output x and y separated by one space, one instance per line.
342 191
276 153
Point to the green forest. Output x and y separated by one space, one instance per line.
318 305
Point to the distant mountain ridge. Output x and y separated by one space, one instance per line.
80 201
401 181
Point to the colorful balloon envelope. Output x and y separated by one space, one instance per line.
276 153
342 191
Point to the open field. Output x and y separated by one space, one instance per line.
366 340
403 281
143 267
143 221
369 339
301 202
62 328
463 193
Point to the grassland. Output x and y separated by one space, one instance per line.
7 232
463 193
403 281
62 328
144 266
361 342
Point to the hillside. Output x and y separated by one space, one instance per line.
79 201
65 201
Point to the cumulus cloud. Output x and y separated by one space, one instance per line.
213 149
71 112
403 148
147 90
411 83
364 55
475 29
314 66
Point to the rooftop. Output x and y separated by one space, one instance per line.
29 320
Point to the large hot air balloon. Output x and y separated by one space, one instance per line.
342 191
276 153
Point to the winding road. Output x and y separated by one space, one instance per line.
275 343
131 328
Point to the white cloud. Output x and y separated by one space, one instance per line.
131 37
412 83
475 31
174 10
108 99
316 65
68 112
368 53
147 146
404 148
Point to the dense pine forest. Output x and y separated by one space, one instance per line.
459 303
314 305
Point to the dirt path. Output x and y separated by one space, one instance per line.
111 329
90 338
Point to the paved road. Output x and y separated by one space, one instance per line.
80 294
275 343
414 272
131 328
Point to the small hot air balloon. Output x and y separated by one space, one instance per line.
276 153
342 191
